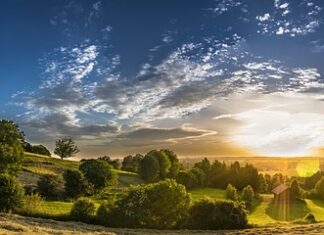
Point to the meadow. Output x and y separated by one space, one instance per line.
262 213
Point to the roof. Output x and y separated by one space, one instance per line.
280 188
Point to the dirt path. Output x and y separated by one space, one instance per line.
14 225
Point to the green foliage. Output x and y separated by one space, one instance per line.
11 150
75 184
263 185
159 165
115 163
188 179
231 192
11 193
98 173
32 204
160 205
149 168
132 163
319 188
65 148
83 209
50 186
311 181
215 214
295 191
37 149
104 212
248 194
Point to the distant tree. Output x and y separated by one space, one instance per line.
231 192
294 190
159 205
11 193
50 186
99 173
248 194
175 164
150 168
132 163
263 186
11 148
216 214
319 188
204 165
200 176
40 149
65 148
188 179
74 183
115 163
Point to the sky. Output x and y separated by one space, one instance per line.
203 78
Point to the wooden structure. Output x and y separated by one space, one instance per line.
281 193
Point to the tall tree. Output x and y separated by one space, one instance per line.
65 148
11 149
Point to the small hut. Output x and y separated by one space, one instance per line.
281 192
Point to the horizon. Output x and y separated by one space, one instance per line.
205 79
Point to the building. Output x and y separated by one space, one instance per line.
281 193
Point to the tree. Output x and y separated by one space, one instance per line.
115 163
159 205
11 193
132 163
175 164
188 179
50 186
149 168
99 173
231 192
319 188
40 149
65 148
263 185
216 214
294 190
11 149
75 184
248 194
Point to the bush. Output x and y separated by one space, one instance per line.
75 185
310 218
99 173
104 212
11 193
160 205
32 204
83 209
231 192
211 214
248 194
50 186
319 188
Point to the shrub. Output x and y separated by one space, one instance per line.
50 186
75 184
83 209
32 204
104 212
295 191
11 193
231 192
160 205
99 173
310 218
211 214
319 188
248 194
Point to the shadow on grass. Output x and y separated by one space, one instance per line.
318 202
287 211
256 203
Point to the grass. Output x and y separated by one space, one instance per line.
201 193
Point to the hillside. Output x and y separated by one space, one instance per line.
14 225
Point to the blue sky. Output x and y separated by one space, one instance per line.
210 78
